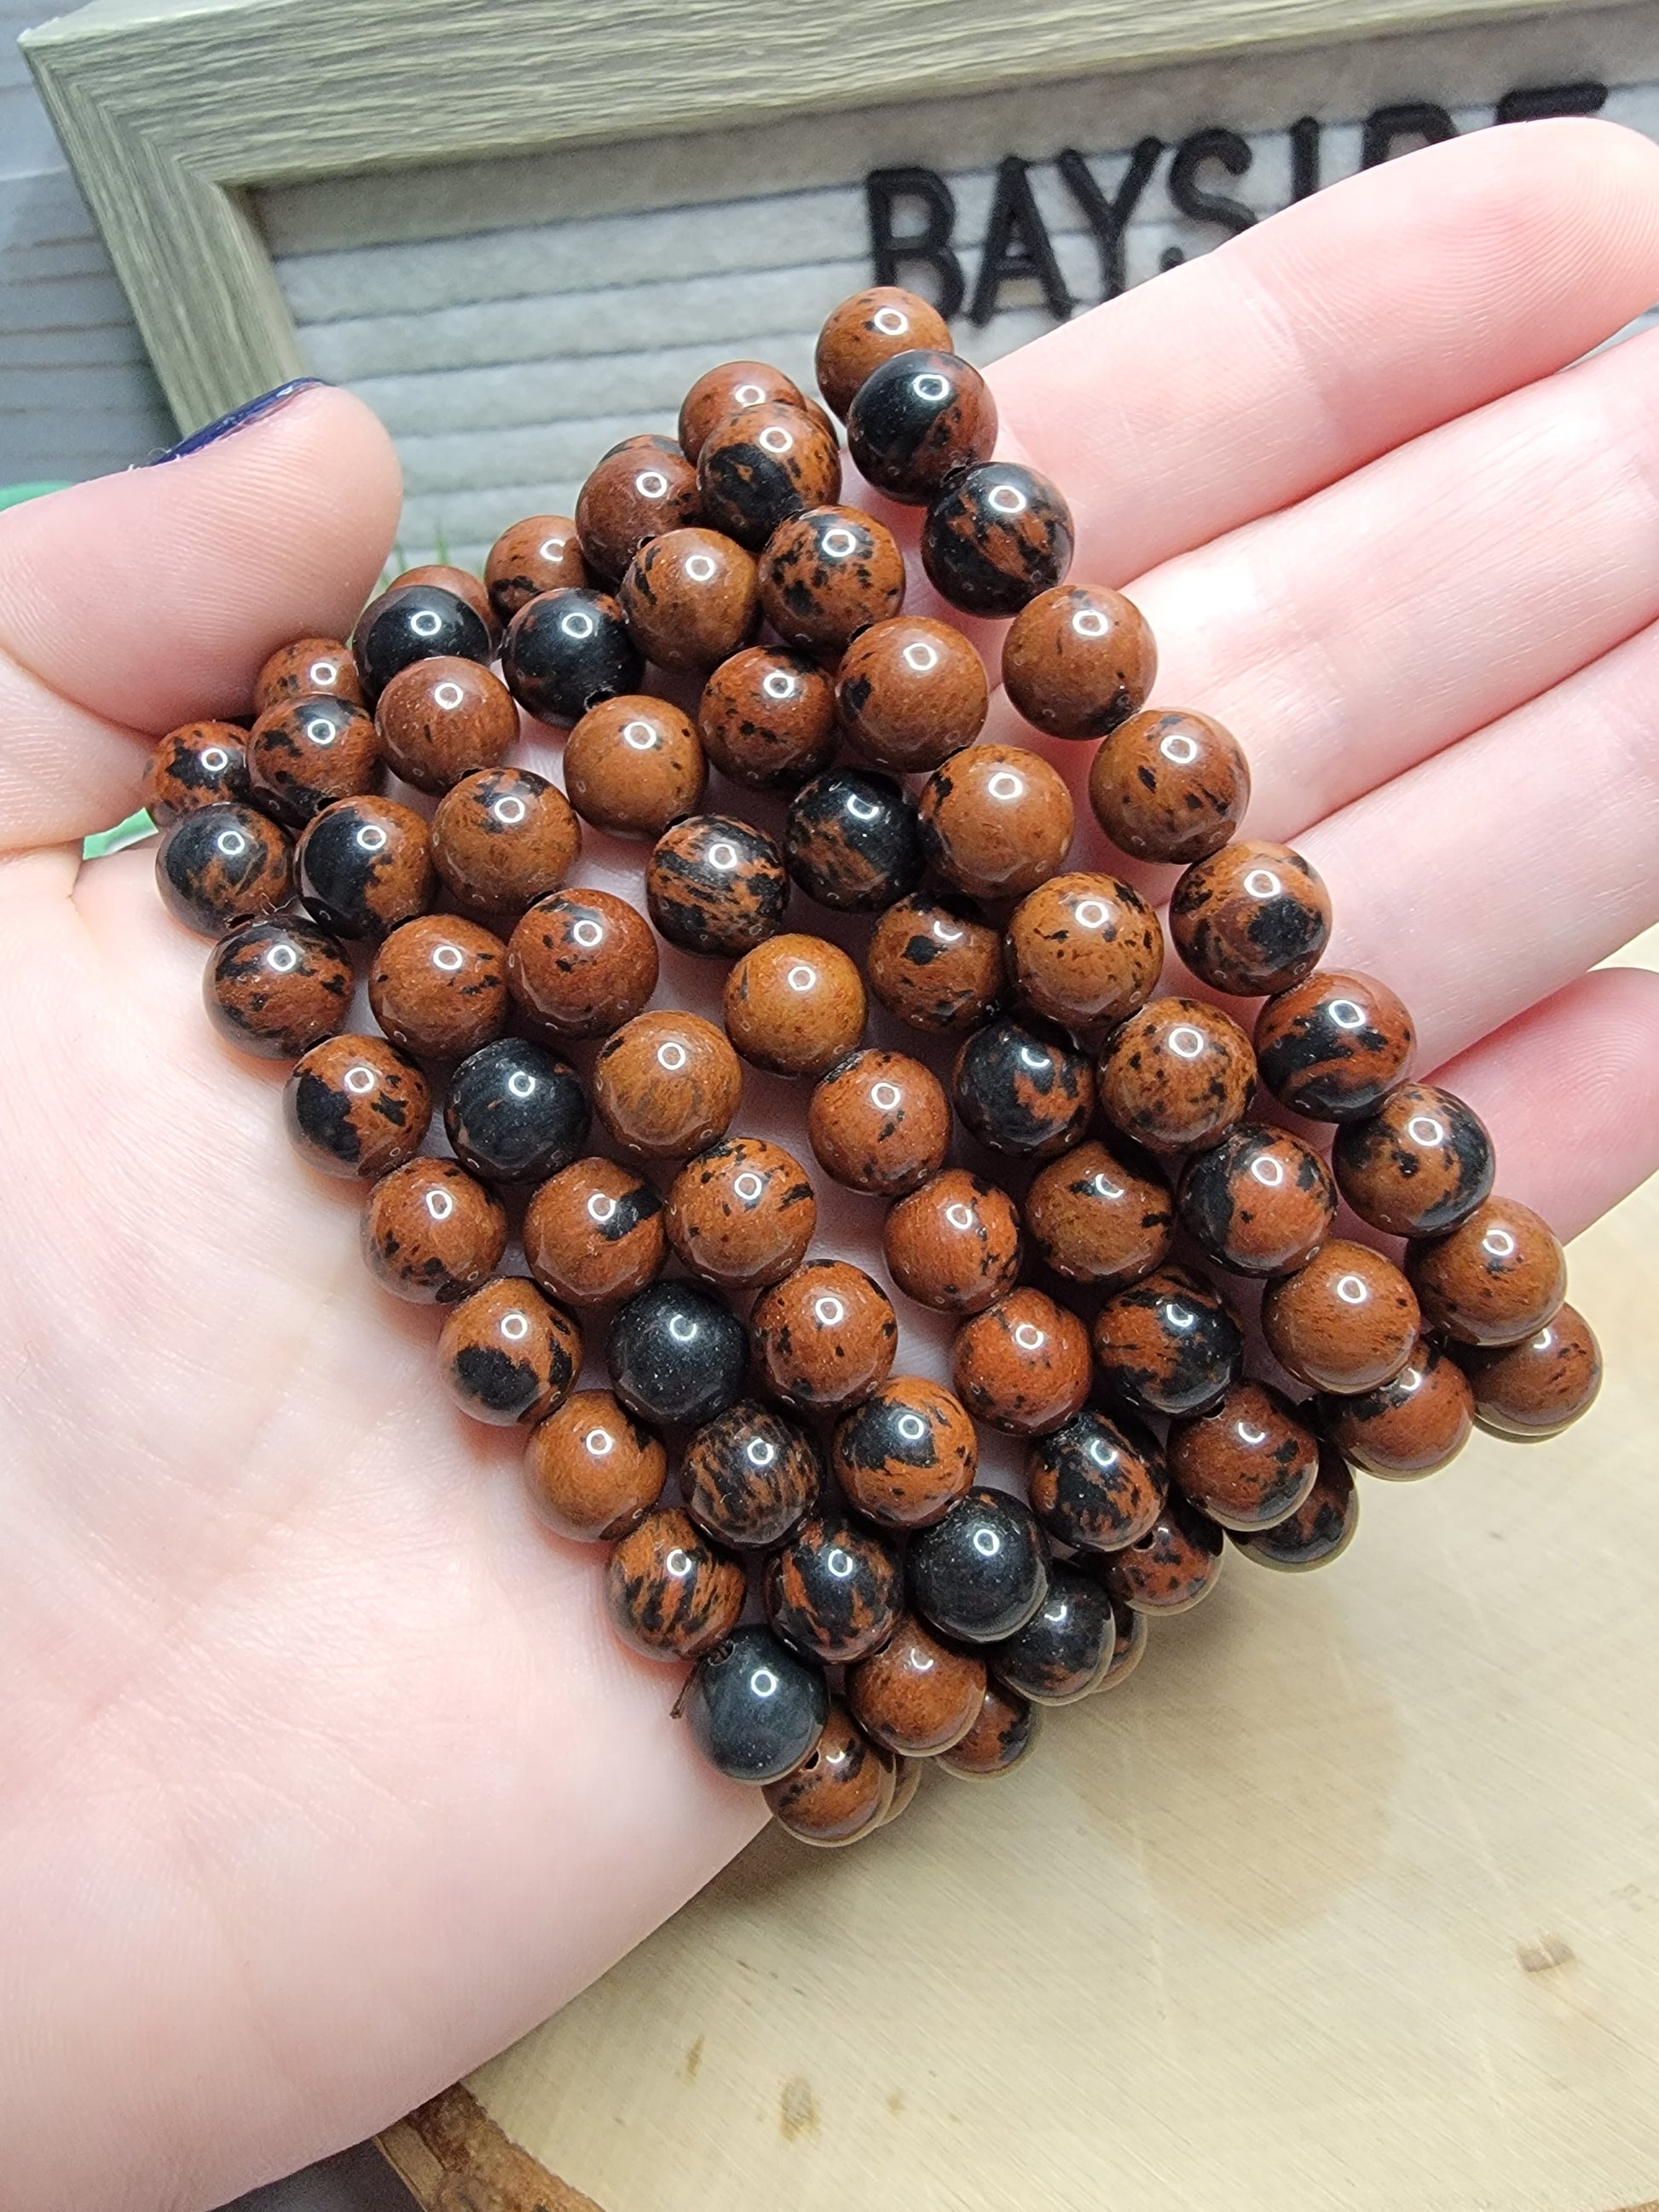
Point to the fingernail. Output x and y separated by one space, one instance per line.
251 410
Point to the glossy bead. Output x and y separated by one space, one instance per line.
996 537
826 575
841 1791
364 865
566 651
1418 1165
1096 1217
954 1242
630 496
909 692
1496 1279
996 821
907 1780
672 1594
759 466
715 885
824 1336
676 1354
1065 1649
1098 1482
592 1471
462 582
916 1695
1169 786
355 1106
503 839
1248 1461
1345 1322
1173 1565
438 987
310 668
277 987
507 1356
880 1122
919 420
221 865
1319 1530
1005 1732
415 621
594 1233
721 392
905 1454
1259 1202
754 1709
851 839
981 1572
768 719
834 1591
306 753
749 1476
194 765
1130 1648
1540 1386
541 553
582 963
691 598
1078 659
934 963
431 1234
1023 1090
1254 918
1084 949
1176 1075
741 1214
867 330
1167 1344
643 442
516 1112
667 1084
1023 1364
1334 1046
1414 1423
634 766
794 1006
442 720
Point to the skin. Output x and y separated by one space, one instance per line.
296 1823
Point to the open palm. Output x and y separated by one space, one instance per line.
321 1774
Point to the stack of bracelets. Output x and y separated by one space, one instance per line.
910 1612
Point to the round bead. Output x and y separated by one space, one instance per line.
593 1472
758 467
1023 1364
1319 1528
954 1243
741 1214
304 754
566 651
909 692
996 821
1259 1202
195 766
643 442
691 598
438 987
907 1780
277 987
633 495
916 1695
1334 1047
851 841
1077 660
442 720
721 392
715 885
754 1709
768 719
905 1454
749 1476
1173 1565
507 1356
516 1112
880 1122
867 330
310 668
826 575
934 963
667 1084
1004 1733
824 1336
1082 949
1414 1423
1417 1166
542 553
919 420
1065 1649
1496 1279
594 1233
834 1591
1540 1386
794 1006
1248 1461
431 1234
1022 1090
670 1592
1130 1648
996 537
462 582
1097 1483
1167 1344
1098 1218
364 865
415 621
981 1572
221 865
582 963
676 1354
355 1106
1252 919
503 839
1176 1075
1345 1322
841 1791
1169 786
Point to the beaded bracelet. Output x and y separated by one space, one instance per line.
911 1612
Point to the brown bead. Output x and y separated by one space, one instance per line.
996 821
916 1695
594 1232
905 1454
1023 1090
355 1106
1005 1731
1078 659
438 987
841 1791
1319 1529
303 754
910 692
630 496
880 1122
742 1213
310 668
1167 1344
1259 1202
725 391
443 719
504 838
1418 1165
670 1592
1414 1423
1176 1075
954 1243
1333 1045
1345 1321
581 963
542 553
1496 1279
715 885
1540 1386
667 1084
826 575
507 1356
1169 786
996 536
1173 1565
432 1233
277 987
759 466
749 1476
794 1006
767 719
1248 1461
1129 1647
1096 1483
835 1591
934 963
1097 1218
824 1336
196 765
364 864
1023 1364
634 765
867 330
919 422
1252 919
592 1471
465 586
1082 949
692 599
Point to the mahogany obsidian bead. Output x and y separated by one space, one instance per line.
715 885
980 1573
905 1454
996 537
594 1232
934 963
194 766
1173 1565
833 1591
1169 786
826 575
909 692
767 719
310 668
464 583
632 495
442 720
954 1242
741 1214
1005 1732
728 390
851 841
516 1112
438 987
1096 1217
1167 1344
691 598
670 1592
1098 1482
364 864
503 839
754 1709
635 765
582 963
1540 1386
916 1695
918 421
1248 1461
907 1780
643 442
507 1356
1065 1649
841 1791
1023 1364
1414 1423
1130 1648
749 1476
1345 1321
794 1006
221 865
1496 1279
1021 1089
1319 1528
1418 1165
431 1234
1254 918
1333 1045
879 1121
1259 1202
667 1084
867 330
1078 659
541 553
1176 1075
676 1353
824 1336
996 821
592 1471
355 1106
566 651
277 987
415 621
1084 949
761 465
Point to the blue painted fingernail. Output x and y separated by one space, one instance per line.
251 410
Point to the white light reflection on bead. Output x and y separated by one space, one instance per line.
321 732
598 1444
360 1081
282 959
1180 1316
947 932
763 1682
1005 785
672 1055
801 977
1262 883
1499 1244
1249 1433
839 543
1351 1290
682 1328
723 855
841 1563
449 958
1031 1056
1266 1170
215 759
1091 622
372 837
639 736
680 1564
553 549
1103 1186
427 623
1029 1337
987 1543
1178 748
1093 913
448 695
324 673
701 568
749 395
759 1453
1346 1014
1425 1130
891 322
886 1096
959 1216
651 483
440 1204
577 623
862 810
747 1186
509 812
778 684
1007 499
587 934
601 1209
1186 1043
912 1428
776 438
515 1326
521 1084
932 389
1102 1454
920 657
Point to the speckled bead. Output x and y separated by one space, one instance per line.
905 1454
1345 1321
1319 1529
1333 1045
364 865
833 1591
1065 1649
672 1594
1083 950
996 821
979 1574
851 839
592 1471
676 1354
462 582
826 575
356 1107
1005 1732
630 496
1175 1565
909 692
580 964
507 1356
302 753
1260 1202
1248 1461
667 1084
431 1234
919 420
916 1695
277 987
754 1709
1412 1425
442 720
954 1242
1176 1075
541 553
715 885
824 1336
1023 1364
503 839
996 537
1496 1279
438 987
935 964
1254 918
1098 1482
643 442
516 1112
1096 1217
1130 1648
566 650
1169 786
1077 660
741 1214
879 1121
749 1477
196 765
415 621
594 1233
691 598
1167 1344
841 1791
309 668
767 719
1418 1165
759 466
1022 1089
867 330
794 1006
728 390
221 865
1540 1386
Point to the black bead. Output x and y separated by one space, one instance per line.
1064 1649
715 885
1023 1089
918 420
566 650
676 1354
995 537
749 1476
221 865
852 840
516 1112
411 623
1089 1481
1188 1349
981 1572
834 1591
754 1709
